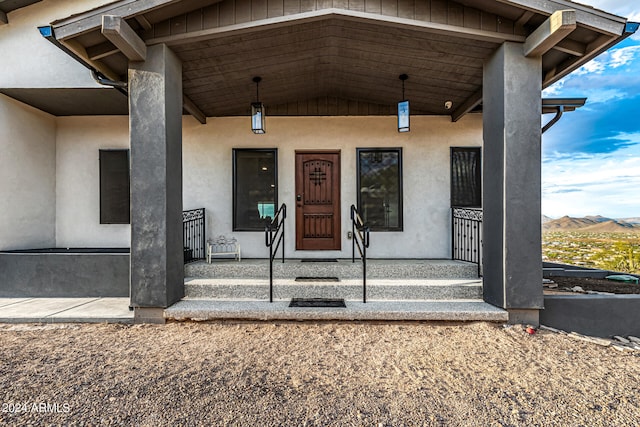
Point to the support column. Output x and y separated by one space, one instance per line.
512 183
155 126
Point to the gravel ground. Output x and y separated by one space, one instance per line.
281 374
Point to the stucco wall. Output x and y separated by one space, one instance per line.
78 141
35 62
27 176
207 180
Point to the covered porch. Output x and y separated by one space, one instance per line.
320 64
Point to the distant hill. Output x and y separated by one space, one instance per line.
546 219
591 224
631 220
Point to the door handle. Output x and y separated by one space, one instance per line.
299 198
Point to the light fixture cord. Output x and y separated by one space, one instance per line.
403 98
257 92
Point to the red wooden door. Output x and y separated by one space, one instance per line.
318 200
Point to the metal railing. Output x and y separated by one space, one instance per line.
273 237
360 239
193 234
466 235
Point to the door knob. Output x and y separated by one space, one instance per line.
299 197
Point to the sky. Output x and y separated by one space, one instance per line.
591 157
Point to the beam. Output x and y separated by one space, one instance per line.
335 13
144 23
571 47
558 26
79 50
524 18
3 18
92 19
101 50
118 32
193 109
594 49
472 102
594 19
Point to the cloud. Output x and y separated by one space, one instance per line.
623 56
592 184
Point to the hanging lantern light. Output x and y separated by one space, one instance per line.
403 109
257 111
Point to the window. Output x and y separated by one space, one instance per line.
466 177
255 188
114 187
380 188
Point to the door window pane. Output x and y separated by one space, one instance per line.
255 193
380 188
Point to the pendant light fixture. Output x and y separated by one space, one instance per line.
257 111
403 109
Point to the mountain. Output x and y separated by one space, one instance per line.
631 220
591 224
546 219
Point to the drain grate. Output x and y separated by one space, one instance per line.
316 279
317 302
319 260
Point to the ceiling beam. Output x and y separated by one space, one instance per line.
524 18
92 19
333 13
118 32
144 22
3 18
101 50
571 47
558 26
193 109
594 49
472 102
79 50
594 19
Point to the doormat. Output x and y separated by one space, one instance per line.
319 260
317 302
317 279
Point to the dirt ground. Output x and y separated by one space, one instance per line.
600 285
320 374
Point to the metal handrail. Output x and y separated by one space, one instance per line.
274 233
360 239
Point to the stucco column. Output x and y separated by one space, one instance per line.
512 183
155 126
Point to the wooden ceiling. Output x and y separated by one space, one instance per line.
335 62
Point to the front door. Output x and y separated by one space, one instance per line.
318 200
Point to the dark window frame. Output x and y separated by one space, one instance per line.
235 183
478 176
107 216
397 150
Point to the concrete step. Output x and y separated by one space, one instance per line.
348 289
342 269
205 310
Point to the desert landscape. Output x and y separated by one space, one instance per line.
593 242
313 374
